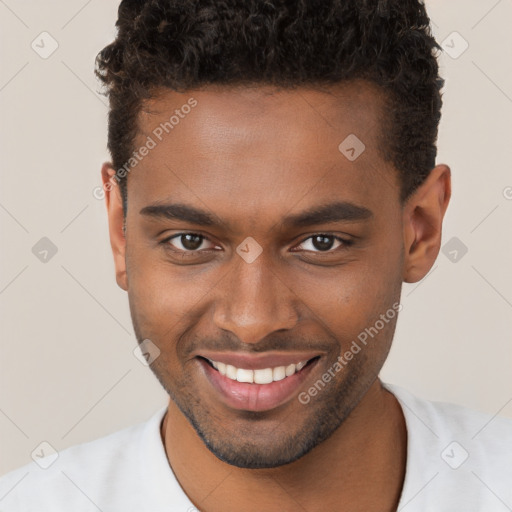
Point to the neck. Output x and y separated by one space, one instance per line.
362 466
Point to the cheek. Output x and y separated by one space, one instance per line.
352 302
162 295
342 300
380 296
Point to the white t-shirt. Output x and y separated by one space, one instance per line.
458 460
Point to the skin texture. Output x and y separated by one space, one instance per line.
250 157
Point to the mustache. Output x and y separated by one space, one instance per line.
228 343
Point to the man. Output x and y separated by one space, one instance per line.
273 182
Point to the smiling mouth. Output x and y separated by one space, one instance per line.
258 376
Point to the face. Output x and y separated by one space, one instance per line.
253 241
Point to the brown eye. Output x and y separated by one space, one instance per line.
187 242
191 242
323 243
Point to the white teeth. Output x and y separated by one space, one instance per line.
222 368
279 373
290 370
244 375
230 372
262 376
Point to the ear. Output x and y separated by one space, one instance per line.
423 216
114 203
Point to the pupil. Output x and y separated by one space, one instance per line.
323 243
191 242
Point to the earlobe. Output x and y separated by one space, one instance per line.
422 222
114 204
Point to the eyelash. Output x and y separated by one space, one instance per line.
345 243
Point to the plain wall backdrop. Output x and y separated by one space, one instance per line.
68 373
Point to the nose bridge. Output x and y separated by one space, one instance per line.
253 301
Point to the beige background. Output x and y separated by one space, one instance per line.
67 369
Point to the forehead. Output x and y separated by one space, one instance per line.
249 150
261 111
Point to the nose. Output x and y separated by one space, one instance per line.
254 301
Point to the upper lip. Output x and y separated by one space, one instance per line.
258 362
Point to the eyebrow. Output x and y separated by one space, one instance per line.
179 211
323 214
333 212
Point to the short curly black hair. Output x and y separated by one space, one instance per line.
186 44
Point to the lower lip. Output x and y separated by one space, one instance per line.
255 397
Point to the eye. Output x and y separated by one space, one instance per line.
324 243
187 242
194 243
